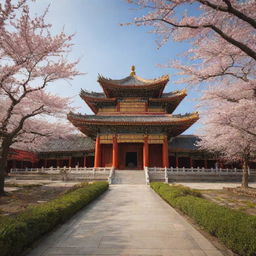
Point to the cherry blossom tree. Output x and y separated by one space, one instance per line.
222 34
31 59
222 53
229 123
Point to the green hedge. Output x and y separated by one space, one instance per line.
235 229
17 233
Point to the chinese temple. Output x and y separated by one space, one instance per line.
132 122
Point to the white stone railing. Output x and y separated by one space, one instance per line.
58 170
146 175
166 175
199 171
67 173
111 175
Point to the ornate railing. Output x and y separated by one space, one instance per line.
200 171
165 174
67 173
58 169
111 175
146 175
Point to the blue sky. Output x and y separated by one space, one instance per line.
104 47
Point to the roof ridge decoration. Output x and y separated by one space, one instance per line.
92 93
176 92
133 73
133 78
149 81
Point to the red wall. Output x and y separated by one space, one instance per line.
106 155
155 155
21 155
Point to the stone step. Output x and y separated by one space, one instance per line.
129 177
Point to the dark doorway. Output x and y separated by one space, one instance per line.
131 160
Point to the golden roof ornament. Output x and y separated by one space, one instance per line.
133 73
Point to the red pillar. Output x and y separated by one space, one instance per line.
177 161
84 160
191 162
165 154
205 164
115 153
69 161
45 163
145 152
97 153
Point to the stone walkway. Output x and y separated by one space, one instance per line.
126 220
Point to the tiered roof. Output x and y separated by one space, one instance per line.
95 100
133 86
172 125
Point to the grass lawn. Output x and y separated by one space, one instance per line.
229 199
22 194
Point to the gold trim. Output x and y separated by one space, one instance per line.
133 73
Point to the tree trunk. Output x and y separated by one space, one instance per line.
245 174
3 162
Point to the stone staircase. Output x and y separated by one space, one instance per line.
129 177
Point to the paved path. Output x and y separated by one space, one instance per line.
126 220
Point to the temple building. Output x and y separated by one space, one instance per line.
133 127
133 122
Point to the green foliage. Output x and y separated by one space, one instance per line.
17 233
235 229
174 191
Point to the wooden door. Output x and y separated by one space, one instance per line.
106 155
133 148
155 155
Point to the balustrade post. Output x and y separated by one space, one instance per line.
166 175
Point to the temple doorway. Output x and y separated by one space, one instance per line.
130 156
131 160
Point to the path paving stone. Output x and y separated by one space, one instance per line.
127 220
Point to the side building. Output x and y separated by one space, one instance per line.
78 150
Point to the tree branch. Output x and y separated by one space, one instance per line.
35 112
230 9
250 52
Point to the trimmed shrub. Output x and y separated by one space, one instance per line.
235 229
18 232
166 191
